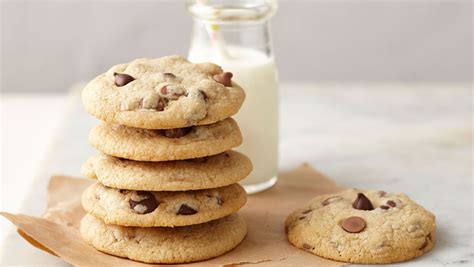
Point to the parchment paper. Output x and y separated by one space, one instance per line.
265 244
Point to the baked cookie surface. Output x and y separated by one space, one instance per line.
167 209
163 244
164 145
163 93
201 173
368 227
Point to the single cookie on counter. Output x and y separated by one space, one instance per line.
163 93
193 174
165 244
367 227
161 208
164 145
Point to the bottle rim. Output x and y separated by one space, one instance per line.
220 12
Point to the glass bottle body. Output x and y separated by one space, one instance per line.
243 47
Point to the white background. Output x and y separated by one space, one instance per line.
48 45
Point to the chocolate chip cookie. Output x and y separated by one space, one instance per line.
165 244
163 145
152 208
163 93
368 227
201 173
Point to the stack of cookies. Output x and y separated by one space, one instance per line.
166 189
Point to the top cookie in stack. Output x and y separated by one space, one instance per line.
164 93
166 161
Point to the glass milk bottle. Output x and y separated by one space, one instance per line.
236 36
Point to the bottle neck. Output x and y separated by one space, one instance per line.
228 41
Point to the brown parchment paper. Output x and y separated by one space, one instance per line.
265 244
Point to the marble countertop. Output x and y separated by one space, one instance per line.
409 138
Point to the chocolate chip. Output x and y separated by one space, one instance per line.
186 210
169 75
122 79
306 246
391 203
161 104
224 78
204 96
143 202
427 241
307 211
301 218
384 207
164 90
176 132
382 193
425 244
226 155
362 203
353 224
123 191
330 200
176 95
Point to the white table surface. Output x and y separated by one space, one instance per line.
408 138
